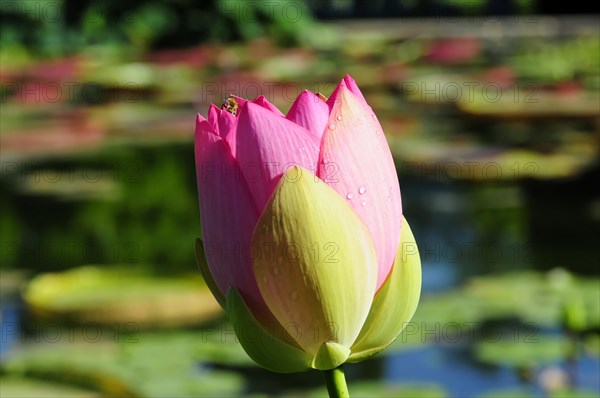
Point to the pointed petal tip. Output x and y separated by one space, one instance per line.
253 110
310 112
265 103
214 108
369 146
203 126
348 79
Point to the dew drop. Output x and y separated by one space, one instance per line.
363 203
276 271
389 199
339 117
265 279
350 196
331 126
294 295
362 190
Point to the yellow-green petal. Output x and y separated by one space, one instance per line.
262 344
314 262
395 303
205 271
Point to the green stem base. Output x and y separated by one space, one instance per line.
336 383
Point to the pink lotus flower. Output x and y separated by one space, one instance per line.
243 159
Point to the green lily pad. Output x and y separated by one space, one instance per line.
529 104
21 387
592 345
83 184
120 294
526 352
575 393
531 297
152 365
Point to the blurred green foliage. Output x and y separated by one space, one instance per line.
143 210
156 211
50 28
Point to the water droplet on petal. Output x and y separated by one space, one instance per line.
331 126
276 271
389 199
294 295
362 190
363 203
350 196
339 117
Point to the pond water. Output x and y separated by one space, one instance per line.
454 369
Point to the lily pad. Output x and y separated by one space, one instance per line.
524 296
154 365
524 353
21 387
575 393
108 295
592 345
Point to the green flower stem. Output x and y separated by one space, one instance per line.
336 383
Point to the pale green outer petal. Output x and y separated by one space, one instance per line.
395 303
330 356
261 344
315 265
205 271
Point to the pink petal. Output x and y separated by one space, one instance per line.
266 145
214 113
351 85
310 112
227 123
262 101
221 121
228 216
355 160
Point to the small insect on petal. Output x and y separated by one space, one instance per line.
230 104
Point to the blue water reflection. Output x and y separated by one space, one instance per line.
454 369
